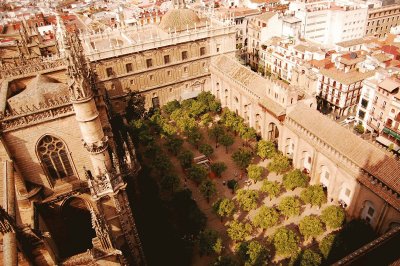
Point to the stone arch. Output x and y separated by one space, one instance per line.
257 122
368 211
273 132
55 159
78 233
289 147
226 95
324 176
344 194
306 161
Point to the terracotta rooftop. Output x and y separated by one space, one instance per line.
346 78
383 57
351 42
352 58
389 84
362 153
265 16
255 84
272 106
303 48
265 1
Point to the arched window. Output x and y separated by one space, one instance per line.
368 212
53 154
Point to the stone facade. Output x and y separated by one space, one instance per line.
163 62
382 19
69 179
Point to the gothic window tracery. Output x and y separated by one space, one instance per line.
54 157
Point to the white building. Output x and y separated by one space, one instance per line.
328 23
282 56
261 28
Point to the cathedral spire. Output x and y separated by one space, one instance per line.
79 72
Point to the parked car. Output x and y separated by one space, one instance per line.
348 120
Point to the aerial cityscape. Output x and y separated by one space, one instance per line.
200 132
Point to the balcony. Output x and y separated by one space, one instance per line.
391 132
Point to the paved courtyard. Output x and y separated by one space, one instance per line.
233 172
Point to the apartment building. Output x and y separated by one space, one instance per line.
328 22
282 56
340 83
260 29
381 20
379 108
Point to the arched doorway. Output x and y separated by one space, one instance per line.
324 177
306 162
78 227
368 212
273 132
257 124
289 148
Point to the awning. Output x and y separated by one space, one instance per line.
189 94
387 143
391 133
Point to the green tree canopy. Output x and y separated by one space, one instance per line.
226 140
135 106
280 164
194 136
252 253
238 231
232 184
198 108
255 172
266 149
162 163
185 158
197 173
294 179
311 226
327 244
218 168
286 242
289 206
206 149
230 120
216 132
248 134
273 188
242 158
183 120
171 106
333 216
168 130
209 242
265 218
209 100
224 207
313 195
206 119
208 189
174 145
309 258
247 199
170 182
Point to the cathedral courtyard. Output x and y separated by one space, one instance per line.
165 161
